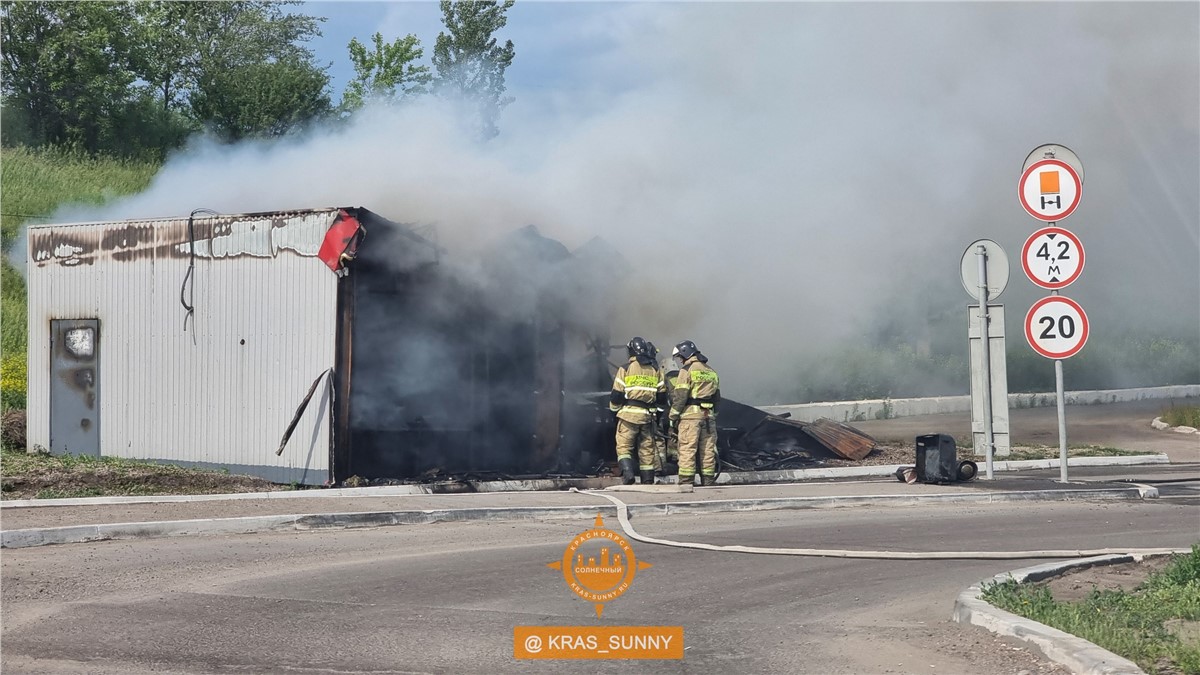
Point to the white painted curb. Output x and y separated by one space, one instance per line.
1081 656
726 478
749 477
252 524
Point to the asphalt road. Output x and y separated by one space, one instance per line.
446 598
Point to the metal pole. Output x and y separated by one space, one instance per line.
985 356
1062 421
1062 415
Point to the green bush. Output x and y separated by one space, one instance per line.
12 312
13 381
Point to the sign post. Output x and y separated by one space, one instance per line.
988 438
1056 327
984 269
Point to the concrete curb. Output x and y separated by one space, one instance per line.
1074 652
889 470
408 490
292 522
727 478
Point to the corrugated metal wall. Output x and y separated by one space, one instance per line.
223 392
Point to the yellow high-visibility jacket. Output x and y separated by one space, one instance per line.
697 390
637 391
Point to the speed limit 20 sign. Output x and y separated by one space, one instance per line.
1056 327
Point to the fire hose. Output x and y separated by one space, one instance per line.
623 518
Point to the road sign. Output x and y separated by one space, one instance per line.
1052 258
997 268
1056 327
1055 151
1050 190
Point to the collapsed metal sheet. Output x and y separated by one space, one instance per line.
753 440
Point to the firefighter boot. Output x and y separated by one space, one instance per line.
627 474
648 477
706 480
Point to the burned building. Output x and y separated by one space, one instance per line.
315 345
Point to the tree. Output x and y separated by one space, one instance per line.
380 73
68 69
263 99
249 39
127 77
168 59
470 64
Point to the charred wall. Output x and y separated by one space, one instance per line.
462 368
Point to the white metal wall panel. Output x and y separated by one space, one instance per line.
223 392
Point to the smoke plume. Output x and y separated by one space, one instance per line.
785 178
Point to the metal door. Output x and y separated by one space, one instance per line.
75 387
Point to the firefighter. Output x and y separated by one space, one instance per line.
693 413
660 419
672 438
637 392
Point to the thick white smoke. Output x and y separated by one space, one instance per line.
784 177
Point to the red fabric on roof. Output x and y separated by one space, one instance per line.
339 239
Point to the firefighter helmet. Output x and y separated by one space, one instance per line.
638 347
685 350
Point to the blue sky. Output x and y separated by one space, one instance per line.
554 40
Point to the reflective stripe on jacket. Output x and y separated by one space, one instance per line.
697 390
637 390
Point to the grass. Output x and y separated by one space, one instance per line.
1141 625
13 329
1182 416
43 476
33 184
1021 452
36 182
1052 452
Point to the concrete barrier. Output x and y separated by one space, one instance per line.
885 408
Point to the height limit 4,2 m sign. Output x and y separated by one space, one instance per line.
1056 327
1052 258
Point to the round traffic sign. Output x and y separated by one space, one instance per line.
1056 327
1050 190
996 268
1055 151
1052 258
